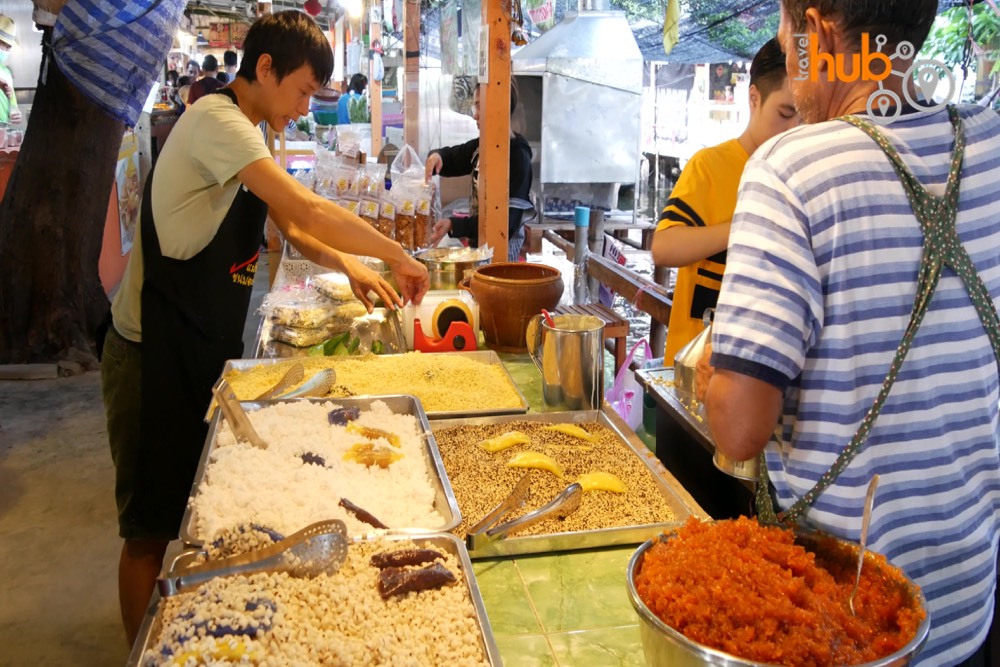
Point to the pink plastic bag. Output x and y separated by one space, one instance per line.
625 396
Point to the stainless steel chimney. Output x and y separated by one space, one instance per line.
580 87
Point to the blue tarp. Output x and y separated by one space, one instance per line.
113 51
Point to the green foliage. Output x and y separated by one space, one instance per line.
948 40
651 10
740 33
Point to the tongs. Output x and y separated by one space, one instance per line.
320 548
565 503
233 413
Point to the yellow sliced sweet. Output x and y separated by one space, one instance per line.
572 430
505 441
225 649
373 433
602 481
368 455
536 460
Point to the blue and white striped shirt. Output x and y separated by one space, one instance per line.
820 282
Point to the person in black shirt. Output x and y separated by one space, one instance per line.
463 160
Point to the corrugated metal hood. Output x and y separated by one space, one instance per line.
593 46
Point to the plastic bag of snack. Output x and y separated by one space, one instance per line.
298 307
299 337
334 286
425 214
387 218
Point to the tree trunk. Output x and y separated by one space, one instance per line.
51 226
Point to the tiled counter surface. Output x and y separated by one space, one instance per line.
565 608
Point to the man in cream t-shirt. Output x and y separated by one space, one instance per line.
181 308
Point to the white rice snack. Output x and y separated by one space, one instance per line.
337 619
274 487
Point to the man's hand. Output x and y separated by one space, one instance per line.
412 278
439 230
703 373
6 87
432 166
364 280
15 116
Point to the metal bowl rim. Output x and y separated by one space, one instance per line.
721 657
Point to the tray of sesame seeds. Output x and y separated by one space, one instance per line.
628 495
398 598
371 462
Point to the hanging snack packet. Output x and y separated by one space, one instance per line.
422 221
369 210
406 211
387 218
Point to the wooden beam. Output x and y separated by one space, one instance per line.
411 74
563 244
375 87
646 295
494 135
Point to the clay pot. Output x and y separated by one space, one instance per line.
509 295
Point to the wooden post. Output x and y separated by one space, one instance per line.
658 330
375 87
595 238
494 137
411 74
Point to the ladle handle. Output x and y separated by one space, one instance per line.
866 520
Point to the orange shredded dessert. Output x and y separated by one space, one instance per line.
749 590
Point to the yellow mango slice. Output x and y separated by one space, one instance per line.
505 441
602 481
572 430
536 460
373 433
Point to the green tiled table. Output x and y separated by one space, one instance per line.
564 608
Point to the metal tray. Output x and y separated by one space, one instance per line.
444 497
153 620
659 382
679 500
482 356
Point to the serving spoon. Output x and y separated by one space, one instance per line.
866 520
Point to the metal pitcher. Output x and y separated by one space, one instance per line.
570 355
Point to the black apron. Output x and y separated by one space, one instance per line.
193 314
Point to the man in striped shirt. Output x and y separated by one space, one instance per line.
820 282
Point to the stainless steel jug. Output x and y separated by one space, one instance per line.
570 355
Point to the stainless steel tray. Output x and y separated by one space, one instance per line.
678 499
444 497
659 382
153 621
482 356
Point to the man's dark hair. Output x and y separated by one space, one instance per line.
898 20
183 81
292 39
358 83
222 76
767 71
210 63
229 58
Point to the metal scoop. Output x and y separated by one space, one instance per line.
318 385
292 377
866 520
565 503
233 413
317 549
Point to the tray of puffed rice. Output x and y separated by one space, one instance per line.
371 462
397 599
448 384
628 496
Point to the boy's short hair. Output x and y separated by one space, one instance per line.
767 71
229 58
210 63
292 39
